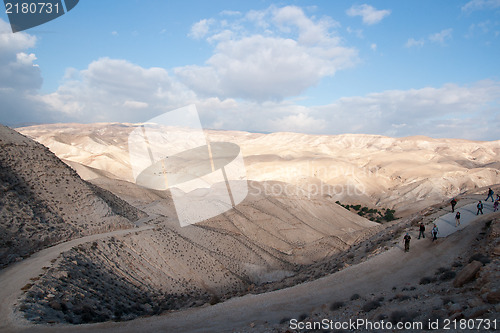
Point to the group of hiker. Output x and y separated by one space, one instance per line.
495 202
407 237
453 202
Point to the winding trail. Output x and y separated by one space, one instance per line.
16 276
382 272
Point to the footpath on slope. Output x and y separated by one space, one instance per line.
381 272
16 276
446 223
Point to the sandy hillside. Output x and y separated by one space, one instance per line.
265 239
273 239
368 169
453 278
43 201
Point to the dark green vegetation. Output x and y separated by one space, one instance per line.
372 214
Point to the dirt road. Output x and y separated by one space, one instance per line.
14 277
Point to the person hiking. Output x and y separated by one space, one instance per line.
435 232
421 232
453 202
457 219
406 239
479 208
490 194
495 206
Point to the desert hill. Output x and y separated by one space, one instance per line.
400 173
271 240
264 239
267 237
43 201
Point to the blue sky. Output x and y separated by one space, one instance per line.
395 68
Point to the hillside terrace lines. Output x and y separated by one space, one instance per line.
14 277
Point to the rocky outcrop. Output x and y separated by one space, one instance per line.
467 274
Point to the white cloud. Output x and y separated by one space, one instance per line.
471 112
369 14
200 29
115 90
441 37
135 105
480 5
20 77
438 37
414 43
373 46
230 13
264 68
309 32
483 28
424 111
301 123
14 42
357 32
282 53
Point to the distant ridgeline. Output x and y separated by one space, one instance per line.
372 214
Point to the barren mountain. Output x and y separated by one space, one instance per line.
288 230
264 239
401 173
43 201
267 237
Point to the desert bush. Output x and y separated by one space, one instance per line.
214 300
402 317
447 276
336 305
441 270
481 258
401 297
27 286
427 280
372 305
446 300
389 215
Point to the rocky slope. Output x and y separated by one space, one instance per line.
265 239
43 201
463 291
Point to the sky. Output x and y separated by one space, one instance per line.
394 68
